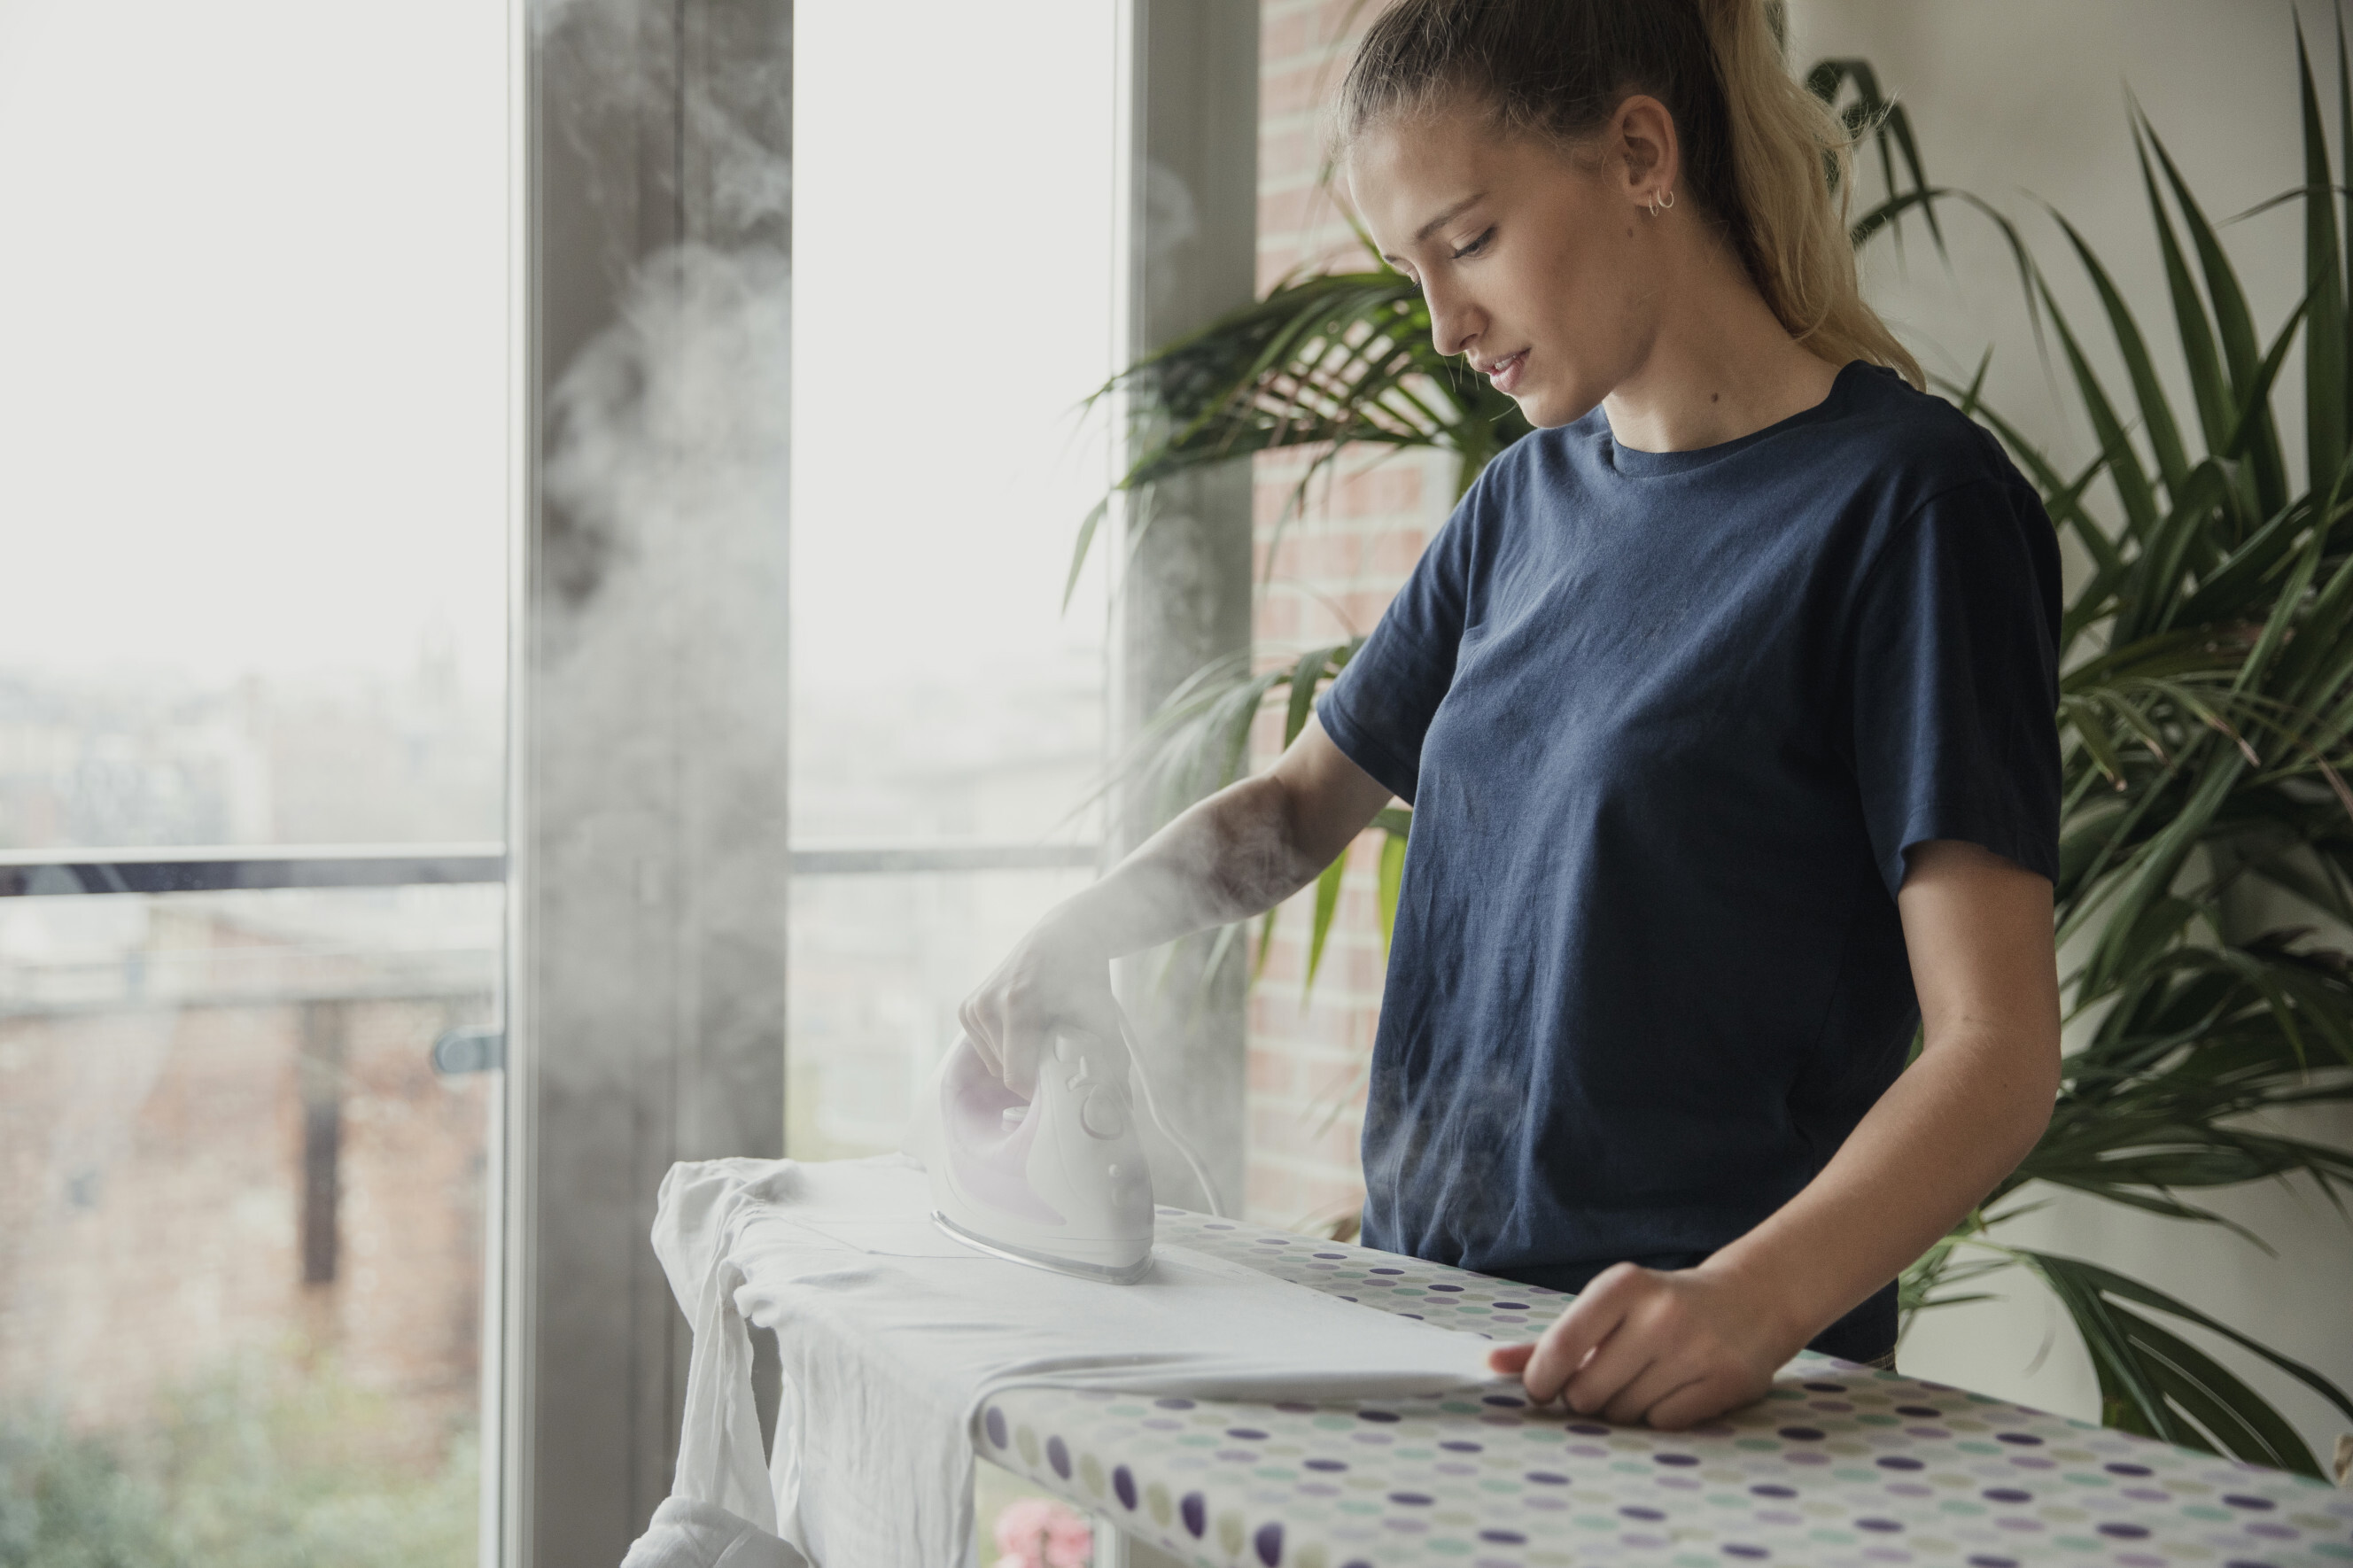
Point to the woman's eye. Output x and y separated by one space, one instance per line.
1476 246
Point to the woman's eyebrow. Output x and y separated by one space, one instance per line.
1440 221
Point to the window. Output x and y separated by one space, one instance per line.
253 468
954 244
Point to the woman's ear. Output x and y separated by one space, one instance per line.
1644 155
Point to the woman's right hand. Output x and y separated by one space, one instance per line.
1055 978
1237 854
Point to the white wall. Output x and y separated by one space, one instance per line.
2021 99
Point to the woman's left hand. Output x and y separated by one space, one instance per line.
1644 1347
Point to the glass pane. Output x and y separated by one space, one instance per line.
252 421
241 1226
947 327
253 495
878 966
947 330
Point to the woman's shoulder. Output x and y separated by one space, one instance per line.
1936 480
1918 437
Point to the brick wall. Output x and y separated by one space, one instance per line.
1327 574
152 1171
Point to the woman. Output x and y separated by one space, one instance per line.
1724 704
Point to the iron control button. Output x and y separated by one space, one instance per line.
1104 1114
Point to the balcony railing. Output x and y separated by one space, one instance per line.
41 873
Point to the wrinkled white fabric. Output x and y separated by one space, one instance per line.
893 1337
688 1535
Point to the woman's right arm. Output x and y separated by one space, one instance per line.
1237 854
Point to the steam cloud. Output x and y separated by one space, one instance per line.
677 413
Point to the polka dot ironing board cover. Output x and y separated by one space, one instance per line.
1841 1466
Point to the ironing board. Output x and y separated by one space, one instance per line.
1839 1466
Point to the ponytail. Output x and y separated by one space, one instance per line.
1761 156
1791 232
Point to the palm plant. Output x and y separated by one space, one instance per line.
2205 711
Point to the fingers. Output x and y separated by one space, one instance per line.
1510 1359
1659 1378
1016 1030
1577 1333
1703 1399
1044 982
999 1019
1000 1045
1650 1330
975 1025
1024 1044
1638 1346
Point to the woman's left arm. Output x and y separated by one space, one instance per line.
1672 1349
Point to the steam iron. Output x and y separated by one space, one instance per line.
1058 1181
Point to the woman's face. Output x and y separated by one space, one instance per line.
1534 262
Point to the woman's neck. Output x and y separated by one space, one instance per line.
1721 366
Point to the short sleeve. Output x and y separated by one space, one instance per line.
1954 667
1379 707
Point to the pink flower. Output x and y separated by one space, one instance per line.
1069 1540
1039 1533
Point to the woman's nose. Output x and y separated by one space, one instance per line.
1454 323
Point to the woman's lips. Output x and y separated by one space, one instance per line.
1505 371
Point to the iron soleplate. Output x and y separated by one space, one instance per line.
1101 1273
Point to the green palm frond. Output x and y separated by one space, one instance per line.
1329 362
1338 359
2155 1383
2208 730
1198 740
1870 111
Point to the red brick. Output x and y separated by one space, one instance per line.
1310 557
1281 37
1304 1130
1308 85
1393 486
1329 1191
1268 1190
1274 262
1345 1083
1287 154
1346 20
1331 247
1361 608
1339 559
1299 209
199 1189
1271 1072
1393 552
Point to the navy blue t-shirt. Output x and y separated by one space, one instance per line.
1669 721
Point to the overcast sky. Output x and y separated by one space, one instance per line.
254 331
952 226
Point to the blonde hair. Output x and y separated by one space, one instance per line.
1766 161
